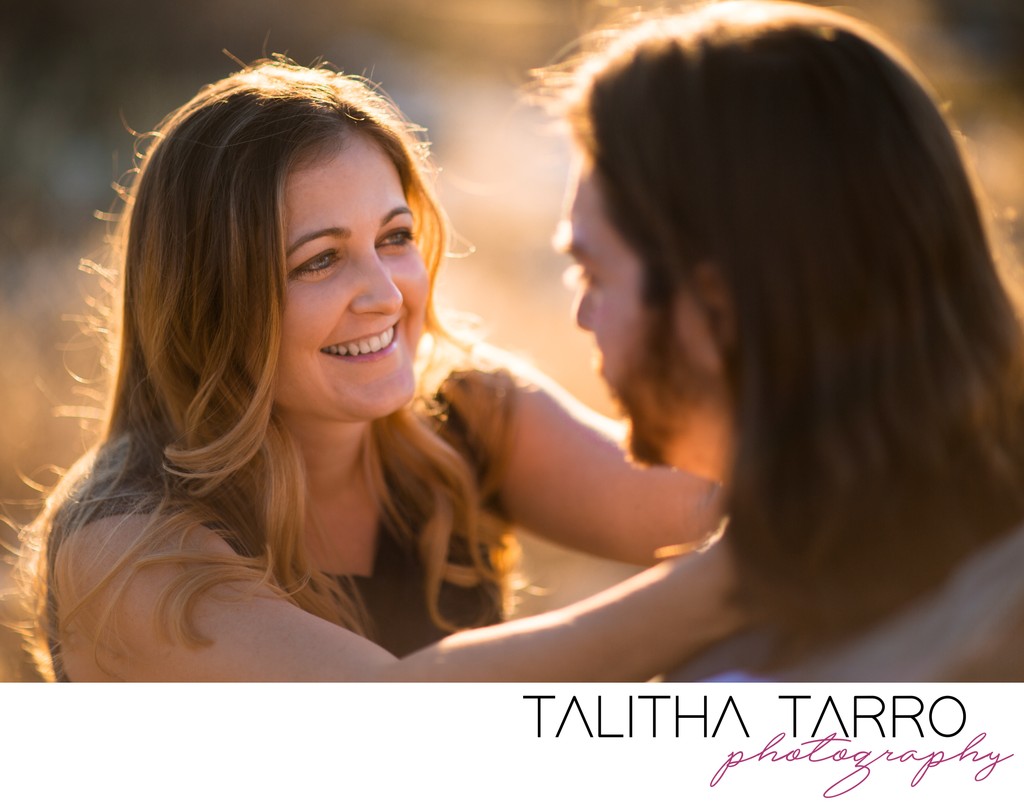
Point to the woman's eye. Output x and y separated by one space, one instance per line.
316 265
400 238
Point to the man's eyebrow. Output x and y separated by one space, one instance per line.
564 241
342 232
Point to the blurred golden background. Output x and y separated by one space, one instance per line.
76 78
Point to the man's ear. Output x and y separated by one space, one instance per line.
694 328
712 295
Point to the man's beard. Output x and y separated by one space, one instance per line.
650 429
657 393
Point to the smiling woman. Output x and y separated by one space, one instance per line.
357 291
302 475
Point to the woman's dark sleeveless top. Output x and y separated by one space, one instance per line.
394 596
395 601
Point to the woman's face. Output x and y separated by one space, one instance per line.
356 293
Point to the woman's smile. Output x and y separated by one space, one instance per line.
365 349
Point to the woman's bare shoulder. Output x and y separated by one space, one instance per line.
98 547
109 587
248 629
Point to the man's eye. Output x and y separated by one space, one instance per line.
578 277
572 277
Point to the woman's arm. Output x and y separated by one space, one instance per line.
568 479
630 632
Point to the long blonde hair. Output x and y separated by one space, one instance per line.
191 437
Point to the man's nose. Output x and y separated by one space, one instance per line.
583 310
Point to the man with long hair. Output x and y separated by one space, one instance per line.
786 268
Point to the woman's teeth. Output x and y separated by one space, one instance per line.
372 344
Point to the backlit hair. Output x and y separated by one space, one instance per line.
191 438
877 371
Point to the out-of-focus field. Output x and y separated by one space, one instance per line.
73 76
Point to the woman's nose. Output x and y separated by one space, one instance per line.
378 292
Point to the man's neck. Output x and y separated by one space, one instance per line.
704 450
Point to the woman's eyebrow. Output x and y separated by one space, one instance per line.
340 232
401 209
343 232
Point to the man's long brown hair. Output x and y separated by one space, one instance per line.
877 371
